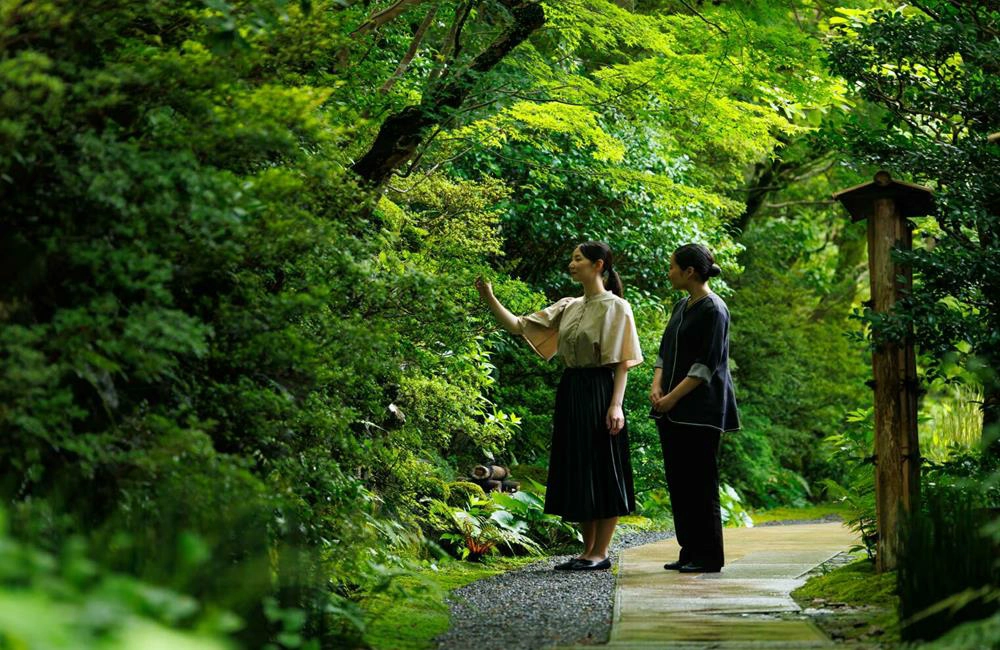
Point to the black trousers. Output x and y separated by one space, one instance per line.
691 463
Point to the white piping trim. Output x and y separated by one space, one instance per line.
673 370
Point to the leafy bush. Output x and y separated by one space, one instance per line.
655 504
527 506
797 372
481 526
530 474
749 464
733 513
67 600
464 492
853 449
948 572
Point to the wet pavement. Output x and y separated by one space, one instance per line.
747 605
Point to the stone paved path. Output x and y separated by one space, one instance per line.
745 606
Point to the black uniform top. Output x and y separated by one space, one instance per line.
696 344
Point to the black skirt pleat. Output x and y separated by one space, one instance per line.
590 472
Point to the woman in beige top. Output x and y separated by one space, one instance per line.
590 473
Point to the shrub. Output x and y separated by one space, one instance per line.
948 572
481 526
529 508
463 492
733 513
66 599
534 473
432 487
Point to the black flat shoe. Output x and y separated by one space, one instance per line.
694 567
673 566
568 565
591 565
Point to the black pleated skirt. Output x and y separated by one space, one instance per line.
590 472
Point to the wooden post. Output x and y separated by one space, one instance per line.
886 204
991 396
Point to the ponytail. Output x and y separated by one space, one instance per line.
614 283
599 251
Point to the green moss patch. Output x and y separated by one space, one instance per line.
853 603
853 584
818 511
409 614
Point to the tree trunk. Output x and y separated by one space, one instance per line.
760 187
402 133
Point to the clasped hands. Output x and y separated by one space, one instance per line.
661 403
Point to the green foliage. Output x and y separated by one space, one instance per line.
733 513
67 600
797 371
934 130
230 364
749 464
947 566
968 636
527 506
655 504
532 473
196 336
952 420
481 526
853 450
462 493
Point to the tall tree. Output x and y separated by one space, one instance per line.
933 69
403 132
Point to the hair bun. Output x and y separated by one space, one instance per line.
714 271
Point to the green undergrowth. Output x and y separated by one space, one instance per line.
973 635
412 612
788 513
853 584
638 522
864 604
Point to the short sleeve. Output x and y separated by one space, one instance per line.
541 329
619 337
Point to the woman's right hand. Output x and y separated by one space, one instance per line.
484 287
655 394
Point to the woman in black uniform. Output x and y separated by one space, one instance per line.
694 403
594 335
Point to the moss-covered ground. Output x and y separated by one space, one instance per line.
854 604
411 612
811 512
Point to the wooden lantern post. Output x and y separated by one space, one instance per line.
887 204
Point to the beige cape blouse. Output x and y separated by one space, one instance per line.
585 332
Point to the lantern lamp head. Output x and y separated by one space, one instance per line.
911 200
